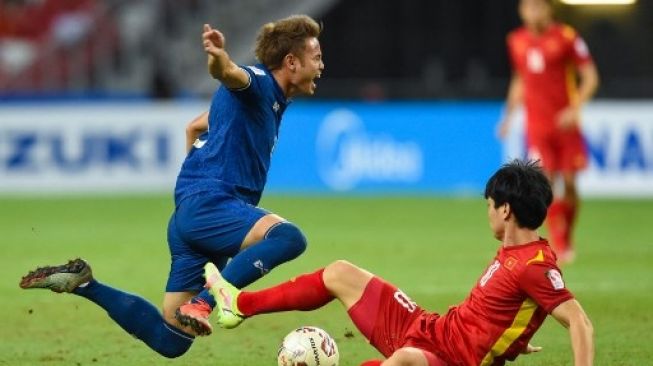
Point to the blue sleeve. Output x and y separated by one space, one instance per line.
253 88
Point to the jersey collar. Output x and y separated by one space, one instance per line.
277 89
541 241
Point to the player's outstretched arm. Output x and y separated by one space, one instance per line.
571 315
195 128
513 100
220 65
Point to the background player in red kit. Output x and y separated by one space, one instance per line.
548 58
508 304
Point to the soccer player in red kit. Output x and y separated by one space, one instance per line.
513 296
548 58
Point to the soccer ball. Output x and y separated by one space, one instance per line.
308 346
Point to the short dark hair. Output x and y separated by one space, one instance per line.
523 185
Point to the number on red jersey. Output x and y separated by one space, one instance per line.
405 301
535 60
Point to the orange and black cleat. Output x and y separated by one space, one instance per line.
195 314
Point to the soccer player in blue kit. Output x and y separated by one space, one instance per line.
219 186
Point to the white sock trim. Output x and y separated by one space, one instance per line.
265 236
177 332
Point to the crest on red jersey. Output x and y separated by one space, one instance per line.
510 263
556 279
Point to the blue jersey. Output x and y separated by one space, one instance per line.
234 155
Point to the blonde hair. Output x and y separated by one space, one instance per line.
277 39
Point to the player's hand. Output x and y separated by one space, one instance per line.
531 349
213 41
568 118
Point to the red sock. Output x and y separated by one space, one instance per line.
556 220
372 363
306 292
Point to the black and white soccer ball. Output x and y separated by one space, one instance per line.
308 346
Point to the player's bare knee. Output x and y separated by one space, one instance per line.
407 357
340 273
336 270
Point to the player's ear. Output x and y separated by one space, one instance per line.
506 211
291 61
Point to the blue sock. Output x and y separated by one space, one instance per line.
206 296
283 242
139 318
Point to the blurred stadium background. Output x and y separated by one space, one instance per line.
386 163
113 82
375 50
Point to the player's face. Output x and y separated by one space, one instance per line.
535 13
496 218
309 69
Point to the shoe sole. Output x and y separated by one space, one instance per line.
73 273
199 327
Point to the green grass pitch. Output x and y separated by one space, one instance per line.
433 248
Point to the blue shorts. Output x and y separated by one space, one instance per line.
209 226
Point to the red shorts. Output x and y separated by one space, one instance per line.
562 151
384 314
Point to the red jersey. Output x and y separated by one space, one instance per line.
509 303
547 65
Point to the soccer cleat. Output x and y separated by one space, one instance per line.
63 278
225 295
195 315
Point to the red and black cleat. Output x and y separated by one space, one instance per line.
63 278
